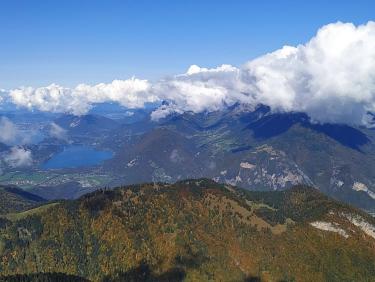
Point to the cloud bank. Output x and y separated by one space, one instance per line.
331 78
131 93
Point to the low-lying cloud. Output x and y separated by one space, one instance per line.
56 131
11 135
9 131
18 157
331 78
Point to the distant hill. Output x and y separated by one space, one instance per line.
86 124
194 230
13 199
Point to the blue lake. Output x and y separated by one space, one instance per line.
77 156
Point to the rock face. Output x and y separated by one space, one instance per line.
358 186
364 225
196 230
265 167
328 226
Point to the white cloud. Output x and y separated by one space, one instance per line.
131 93
200 89
58 132
3 94
194 69
18 157
175 156
164 111
9 131
331 78
11 135
52 98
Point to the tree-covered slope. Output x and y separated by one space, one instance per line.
193 230
15 200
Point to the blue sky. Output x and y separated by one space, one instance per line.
69 42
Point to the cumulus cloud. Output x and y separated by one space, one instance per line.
331 78
58 132
131 93
18 157
199 89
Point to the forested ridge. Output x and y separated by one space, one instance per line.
194 230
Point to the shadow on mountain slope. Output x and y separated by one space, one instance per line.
43 277
275 124
344 134
143 273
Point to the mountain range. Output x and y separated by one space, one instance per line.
253 148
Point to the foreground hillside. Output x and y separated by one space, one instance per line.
193 230
16 200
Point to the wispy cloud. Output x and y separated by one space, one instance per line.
11 135
18 157
56 131
9 131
